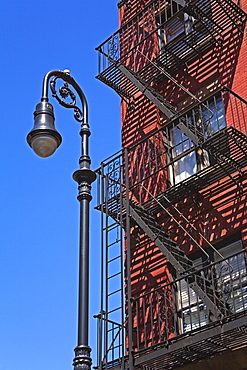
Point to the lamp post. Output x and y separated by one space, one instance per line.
45 139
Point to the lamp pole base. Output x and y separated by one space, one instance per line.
82 360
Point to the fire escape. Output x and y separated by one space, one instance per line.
140 192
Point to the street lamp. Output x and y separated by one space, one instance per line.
44 140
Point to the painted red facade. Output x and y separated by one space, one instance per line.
218 211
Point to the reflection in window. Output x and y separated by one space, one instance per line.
185 166
204 120
174 27
214 116
230 278
193 310
173 23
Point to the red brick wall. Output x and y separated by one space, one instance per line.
239 80
218 211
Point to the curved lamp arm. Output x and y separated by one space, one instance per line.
44 138
65 76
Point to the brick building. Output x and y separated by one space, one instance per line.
173 199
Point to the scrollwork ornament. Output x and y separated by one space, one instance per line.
225 284
66 92
114 47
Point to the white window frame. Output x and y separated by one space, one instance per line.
187 161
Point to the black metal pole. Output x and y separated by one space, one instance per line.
84 177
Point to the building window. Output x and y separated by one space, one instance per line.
193 314
186 165
229 277
174 27
172 23
203 121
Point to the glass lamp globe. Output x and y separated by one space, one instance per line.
44 145
44 139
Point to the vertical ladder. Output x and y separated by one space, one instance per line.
112 311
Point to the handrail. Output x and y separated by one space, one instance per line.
181 114
186 276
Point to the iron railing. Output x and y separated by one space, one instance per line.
142 173
141 45
216 128
152 18
172 311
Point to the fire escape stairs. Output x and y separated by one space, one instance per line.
214 17
182 264
164 106
148 91
192 132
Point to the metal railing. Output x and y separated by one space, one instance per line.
174 310
147 27
111 337
171 310
218 124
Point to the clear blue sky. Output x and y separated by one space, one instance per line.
39 210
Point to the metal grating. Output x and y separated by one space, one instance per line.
127 44
191 349
236 149
147 162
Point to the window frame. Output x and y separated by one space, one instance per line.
236 297
186 159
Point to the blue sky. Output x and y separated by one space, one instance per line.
39 210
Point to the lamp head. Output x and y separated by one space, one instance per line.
44 139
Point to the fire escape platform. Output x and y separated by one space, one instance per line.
232 146
182 51
194 346
201 312
229 141
174 55
188 348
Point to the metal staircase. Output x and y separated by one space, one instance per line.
180 262
116 63
126 204
149 92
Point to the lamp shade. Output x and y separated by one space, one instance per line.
44 139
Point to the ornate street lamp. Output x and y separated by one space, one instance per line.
45 139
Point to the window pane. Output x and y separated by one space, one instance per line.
185 167
194 318
214 117
174 27
203 120
231 277
176 136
